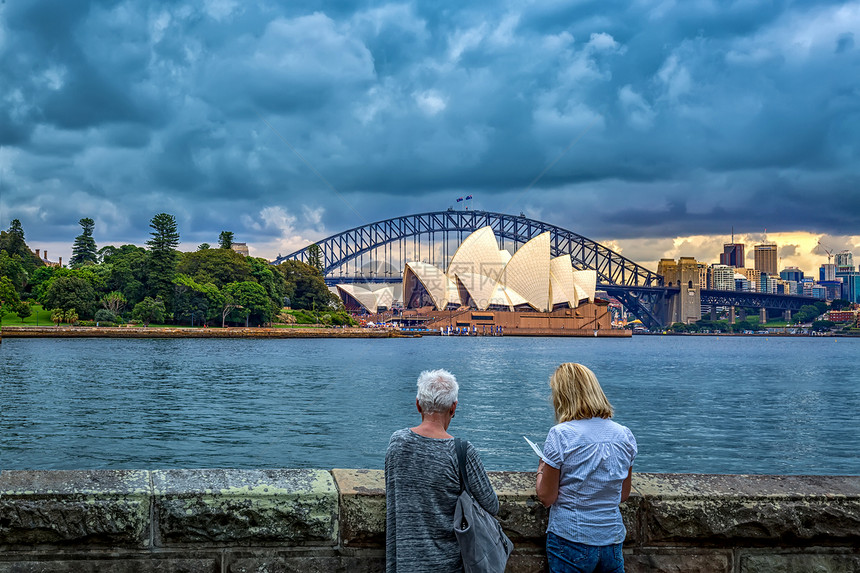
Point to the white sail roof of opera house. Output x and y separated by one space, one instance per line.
371 297
482 276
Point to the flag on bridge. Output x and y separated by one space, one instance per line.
459 199
468 197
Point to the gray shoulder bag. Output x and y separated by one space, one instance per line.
484 547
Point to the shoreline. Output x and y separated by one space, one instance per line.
269 333
171 332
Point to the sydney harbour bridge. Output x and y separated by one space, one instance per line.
378 252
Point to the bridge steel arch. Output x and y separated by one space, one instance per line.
611 267
637 287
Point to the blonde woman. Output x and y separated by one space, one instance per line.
586 472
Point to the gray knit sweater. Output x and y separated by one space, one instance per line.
421 490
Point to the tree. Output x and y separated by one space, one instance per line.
161 263
225 240
67 292
127 272
195 300
23 310
203 246
106 252
71 316
114 301
57 315
270 279
12 242
164 235
9 298
149 310
84 249
315 257
104 315
822 325
217 266
840 304
252 299
11 267
305 286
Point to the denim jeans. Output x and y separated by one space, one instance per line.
568 557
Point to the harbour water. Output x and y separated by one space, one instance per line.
762 405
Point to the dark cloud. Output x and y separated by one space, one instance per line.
658 119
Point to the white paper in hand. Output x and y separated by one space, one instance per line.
536 449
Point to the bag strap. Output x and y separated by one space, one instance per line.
460 449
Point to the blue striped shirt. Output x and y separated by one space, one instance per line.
594 457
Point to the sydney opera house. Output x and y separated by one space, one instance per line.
488 286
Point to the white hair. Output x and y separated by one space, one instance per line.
437 391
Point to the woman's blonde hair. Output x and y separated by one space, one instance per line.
577 395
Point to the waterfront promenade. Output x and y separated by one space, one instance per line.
282 520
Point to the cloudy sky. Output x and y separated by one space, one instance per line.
654 126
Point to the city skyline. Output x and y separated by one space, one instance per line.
651 127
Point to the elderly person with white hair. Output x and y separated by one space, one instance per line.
422 484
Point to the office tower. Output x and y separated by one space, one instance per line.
844 261
766 258
791 274
732 255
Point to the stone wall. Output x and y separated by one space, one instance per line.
314 520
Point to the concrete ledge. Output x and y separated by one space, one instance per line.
313 521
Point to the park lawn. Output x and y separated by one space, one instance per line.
43 316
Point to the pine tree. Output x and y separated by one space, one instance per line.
315 257
165 237
13 240
161 263
225 239
84 249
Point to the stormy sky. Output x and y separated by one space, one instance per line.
654 126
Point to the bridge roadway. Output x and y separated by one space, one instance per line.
387 244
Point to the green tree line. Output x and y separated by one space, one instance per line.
157 283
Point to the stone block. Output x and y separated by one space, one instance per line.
87 508
95 565
527 563
750 510
245 507
362 507
368 561
801 563
522 516
690 560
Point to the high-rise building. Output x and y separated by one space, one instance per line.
703 275
768 283
827 272
722 277
791 274
753 276
844 261
766 258
733 255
